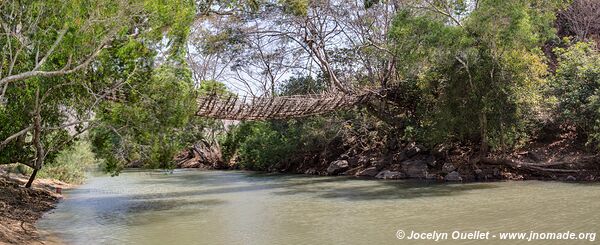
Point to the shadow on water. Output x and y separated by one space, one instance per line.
107 210
349 188
133 212
386 190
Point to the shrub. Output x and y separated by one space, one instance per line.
70 165
577 87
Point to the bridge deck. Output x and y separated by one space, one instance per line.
233 107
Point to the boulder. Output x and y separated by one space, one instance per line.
368 172
453 176
571 178
448 167
387 174
415 168
337 166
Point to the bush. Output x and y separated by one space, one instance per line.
70 165
261 145
577 87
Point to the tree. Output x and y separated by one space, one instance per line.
580 20
256 50
477 68
576 85
154 124
53 76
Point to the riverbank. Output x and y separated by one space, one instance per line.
561 158
20 208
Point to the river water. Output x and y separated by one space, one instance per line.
230 207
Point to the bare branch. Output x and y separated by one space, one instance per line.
14 136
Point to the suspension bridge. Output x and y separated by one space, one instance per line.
234 107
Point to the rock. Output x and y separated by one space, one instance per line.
453 176
387 174
571 178
337 166
310 171
370 172
415 168
448 167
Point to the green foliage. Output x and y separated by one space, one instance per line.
70 164
113 41
261 145
295 7
577 87
480 80
155 124
303 85
211 87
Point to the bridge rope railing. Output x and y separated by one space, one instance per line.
234 107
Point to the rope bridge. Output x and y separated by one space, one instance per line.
233 107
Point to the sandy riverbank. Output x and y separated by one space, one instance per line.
21 207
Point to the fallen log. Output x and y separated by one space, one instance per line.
516 164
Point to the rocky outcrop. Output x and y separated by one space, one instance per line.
453 176
337 166
387 174
415 168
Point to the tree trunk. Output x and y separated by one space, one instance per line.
37 140
31 178
483 126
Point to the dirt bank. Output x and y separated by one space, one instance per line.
21 207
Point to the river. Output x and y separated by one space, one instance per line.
235 207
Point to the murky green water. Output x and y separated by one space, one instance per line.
213 207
